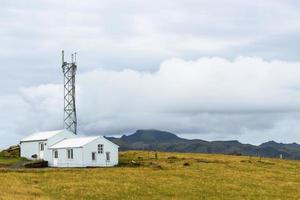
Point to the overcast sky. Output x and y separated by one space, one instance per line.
208 69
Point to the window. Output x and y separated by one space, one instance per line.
56 154
42 146
100 148
93 156
70 153
107 156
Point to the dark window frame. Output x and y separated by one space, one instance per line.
70 154
100 148
55 154
107 156
42 146
94 156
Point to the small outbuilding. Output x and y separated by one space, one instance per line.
62 148
36 145
85 152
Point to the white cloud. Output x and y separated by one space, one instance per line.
209 96
207 84
129 40
139 35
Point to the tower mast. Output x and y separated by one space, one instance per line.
69 70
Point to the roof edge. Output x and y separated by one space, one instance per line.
96 137
110 142
32 140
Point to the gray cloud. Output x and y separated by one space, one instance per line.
127 41
213 98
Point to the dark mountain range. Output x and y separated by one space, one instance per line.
166 141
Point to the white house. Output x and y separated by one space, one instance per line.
36 146
84 152
62 148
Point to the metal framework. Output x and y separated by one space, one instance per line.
69 70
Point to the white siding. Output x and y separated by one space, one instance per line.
60 137
82 156
29 148
51 141
100 158
63 160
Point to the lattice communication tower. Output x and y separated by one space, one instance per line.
69 70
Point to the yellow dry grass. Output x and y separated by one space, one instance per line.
172 176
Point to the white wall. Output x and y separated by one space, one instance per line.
63 160
100 158
82 157
29 148
48 154
59 137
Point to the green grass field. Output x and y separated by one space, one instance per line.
4 162
172 176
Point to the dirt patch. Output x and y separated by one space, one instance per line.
265 163
257 161
172 158
246 161
155 165
201 160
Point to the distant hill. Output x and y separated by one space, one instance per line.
166 141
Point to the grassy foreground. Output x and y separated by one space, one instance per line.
172 176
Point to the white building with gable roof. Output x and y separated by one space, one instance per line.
62 148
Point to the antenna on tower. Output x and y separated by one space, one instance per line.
63 56
69 70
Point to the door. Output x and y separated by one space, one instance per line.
55 158
107 156
41 150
